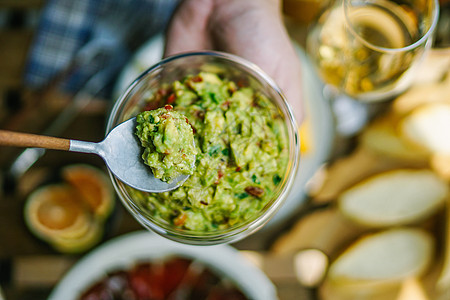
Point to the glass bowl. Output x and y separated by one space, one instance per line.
229 67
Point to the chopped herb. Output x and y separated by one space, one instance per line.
242 195
255 179
214 150
276 179
214 97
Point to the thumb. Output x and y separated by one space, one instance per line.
187 30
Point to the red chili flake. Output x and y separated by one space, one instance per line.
238 169
255 104
171 98
203 202
197 79
254 191
168 107
226 104
220 174
194 131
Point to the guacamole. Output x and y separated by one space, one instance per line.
168 142
242 154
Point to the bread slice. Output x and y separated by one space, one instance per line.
326 230
359 291
443 282
382 137
422 95
428 126
352 169
440 163
393 198
412 289
386 257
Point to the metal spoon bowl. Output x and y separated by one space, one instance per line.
121 151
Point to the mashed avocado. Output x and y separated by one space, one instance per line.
241 145
168 142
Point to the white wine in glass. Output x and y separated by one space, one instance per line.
369 49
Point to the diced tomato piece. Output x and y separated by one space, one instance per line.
220 174
179 221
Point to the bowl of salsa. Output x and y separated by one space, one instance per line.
245 149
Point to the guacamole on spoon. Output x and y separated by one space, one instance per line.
168 142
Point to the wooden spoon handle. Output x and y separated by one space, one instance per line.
17 139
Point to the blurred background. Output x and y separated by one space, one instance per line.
70 94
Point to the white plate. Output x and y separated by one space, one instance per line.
317 109
123 252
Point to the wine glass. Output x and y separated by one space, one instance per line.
368 50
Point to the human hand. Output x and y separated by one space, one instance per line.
252 29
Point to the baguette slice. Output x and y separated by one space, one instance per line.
384 258
393 198
359 291
422 95
382 138
350 170
410 289
426 92
326 230
443 282
428 126
440 163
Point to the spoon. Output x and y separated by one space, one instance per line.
121 151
